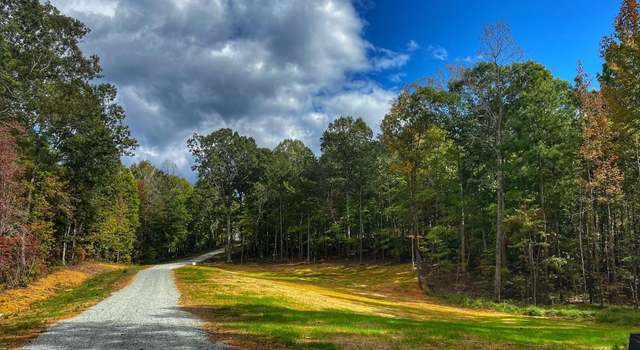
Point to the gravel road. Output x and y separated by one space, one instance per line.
143 315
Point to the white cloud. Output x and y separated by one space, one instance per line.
438 52
367 100
91 7
269 69
397 77
412 46
470 59
386 59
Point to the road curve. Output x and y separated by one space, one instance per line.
143 315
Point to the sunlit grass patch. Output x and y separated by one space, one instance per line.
355 307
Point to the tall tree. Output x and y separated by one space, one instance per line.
489 84
407 136
226 161
348 150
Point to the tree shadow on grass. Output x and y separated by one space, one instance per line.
327 329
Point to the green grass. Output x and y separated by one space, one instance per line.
67 302
311 308
619 315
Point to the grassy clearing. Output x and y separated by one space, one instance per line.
351 307
60 295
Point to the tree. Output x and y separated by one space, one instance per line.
602 179
620 94
488 92
116 231
176 195
348 152
620 78
17 258
74 130
289 171
407 132
225 161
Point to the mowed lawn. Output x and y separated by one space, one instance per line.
330 306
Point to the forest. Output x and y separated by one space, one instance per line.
499 180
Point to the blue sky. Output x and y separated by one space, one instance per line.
554 33
278 69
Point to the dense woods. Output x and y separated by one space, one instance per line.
502 180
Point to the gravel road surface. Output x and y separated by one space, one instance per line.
143 315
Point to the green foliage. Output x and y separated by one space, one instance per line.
227 164
166 206
116 232
77 198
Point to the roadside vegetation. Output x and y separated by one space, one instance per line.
620 315
335 306
25 312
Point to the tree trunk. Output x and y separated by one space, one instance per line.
308 239
414 213
242 251
584 273
611 263
275 245
229 233
64 244
347 215
361 228
463 238
73 240
281 232
499 219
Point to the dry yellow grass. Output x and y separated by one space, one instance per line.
381 289
13 301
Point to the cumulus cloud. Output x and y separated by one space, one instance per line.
269 69
438 52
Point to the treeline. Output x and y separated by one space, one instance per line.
502 180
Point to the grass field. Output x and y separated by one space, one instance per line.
28 311
351 307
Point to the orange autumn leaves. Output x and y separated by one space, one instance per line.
603 178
